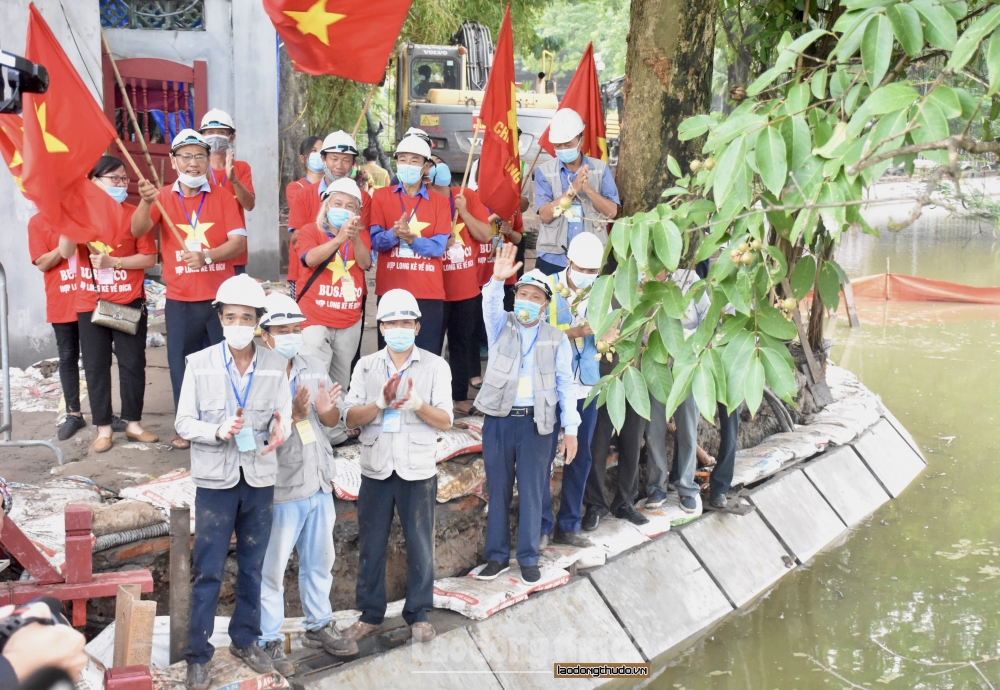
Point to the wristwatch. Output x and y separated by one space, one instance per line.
118 265
208 259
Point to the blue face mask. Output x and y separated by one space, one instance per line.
568 155
338 216
315 162
408 174
400 339
287 345
119 194
582 280
441 175
526 311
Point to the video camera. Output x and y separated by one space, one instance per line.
20 76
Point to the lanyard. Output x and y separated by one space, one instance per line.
344 250
236 393
211 171
532 346
197 215
413 213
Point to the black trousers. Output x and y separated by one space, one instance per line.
431 335
629 442
460 319
98 342
191 327
725 461
357 355
68 346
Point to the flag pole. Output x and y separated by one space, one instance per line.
368 102
468 164
131 113
527 175
163 212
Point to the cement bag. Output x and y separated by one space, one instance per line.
800 445
347 483
849 414
563 556
174 489
456 480
838 435
458 440
614 536
40 512
480 599
227 671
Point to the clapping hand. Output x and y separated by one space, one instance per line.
277 436
388 392
504 267
352 228
300 405
231 426
327 398
402 229
230 164
580 184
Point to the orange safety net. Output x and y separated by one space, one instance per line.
892 286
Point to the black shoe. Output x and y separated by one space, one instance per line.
118 424
492 570
718 501
530 574
72 424
592 519
199 676
628 512
253 656
571 539
276 650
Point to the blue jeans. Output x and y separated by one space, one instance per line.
191 327
414 502
306 525
513 448
218 512
574 476
685 444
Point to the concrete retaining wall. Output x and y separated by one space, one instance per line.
657 597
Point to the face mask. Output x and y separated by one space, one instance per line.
119 194
568 155
582 280
526 310
287 345
400 339
408 174
315 162
217 142
238 337
441 175
338 216
192 181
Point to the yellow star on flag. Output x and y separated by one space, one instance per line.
52 145
20 185
457 233
198 232
416 226
103 248
338 269
15 160
316 21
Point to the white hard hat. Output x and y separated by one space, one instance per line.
281 310
586 251
241 289
340 142
345 185
397 305
217 118
536 278
565 125
417 132
414 144
186 137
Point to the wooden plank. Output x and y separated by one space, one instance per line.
127 594
133 628
852 309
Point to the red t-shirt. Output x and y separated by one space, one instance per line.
420 275
125 285
461 276
60 281
487 257
219 216
302 196
324 303
220 179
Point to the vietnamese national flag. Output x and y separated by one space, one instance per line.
584 96
10 145
500 161
65 133
346 38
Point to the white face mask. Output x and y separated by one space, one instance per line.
582 280
238 337
191 181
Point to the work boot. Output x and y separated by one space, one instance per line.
276 650
422 632
492 570
718 501
592 518
72 424
330 640
628 512
571 539
199 676
358 630
253 656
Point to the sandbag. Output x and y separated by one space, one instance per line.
480 599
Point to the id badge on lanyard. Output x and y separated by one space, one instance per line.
192 245
105 276
245 441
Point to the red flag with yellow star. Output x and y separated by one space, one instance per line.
584 96
345 38
65 133
500 161
10 145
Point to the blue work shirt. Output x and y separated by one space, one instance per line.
384 239
544 195
495 317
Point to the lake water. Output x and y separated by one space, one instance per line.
920 577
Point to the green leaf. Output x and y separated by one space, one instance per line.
619 237
753 385
599 299
803 276
778 374
640 242
673 166
939 25
719 372
771 159
770 321
673 191
818 84
829 285
635 391
731 325
890 98
731 162
947 100
675 302
797 98
658 378
906 27
833 146
736 125
781 270
993 63
703 388
616 403
672 334
681 388
851 39
956 8
736 360
601 325
694 127
968 43
627 284
735 298
876 49
667 243
933 127
786 58
656 350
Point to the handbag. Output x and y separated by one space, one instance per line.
120 317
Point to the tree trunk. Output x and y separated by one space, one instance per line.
293 122
668 77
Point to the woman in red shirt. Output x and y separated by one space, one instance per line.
113 272
303 201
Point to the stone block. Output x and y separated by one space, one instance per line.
898 426
889 457
846 483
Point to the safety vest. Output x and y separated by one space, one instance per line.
553 238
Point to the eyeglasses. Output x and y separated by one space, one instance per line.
117 179
242 319
188 157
